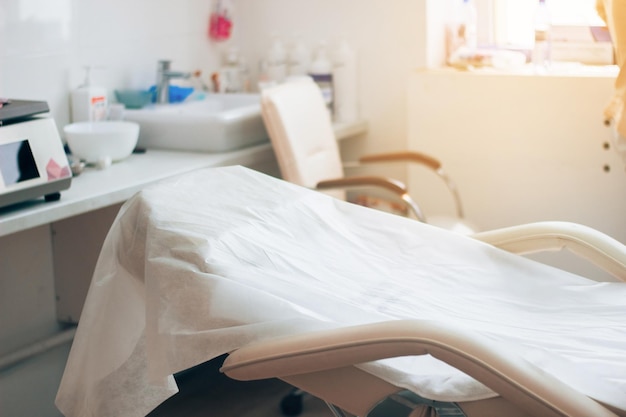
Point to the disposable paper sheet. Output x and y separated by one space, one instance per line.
203 264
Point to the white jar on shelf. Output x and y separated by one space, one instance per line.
298 58
322 73
345 81
542 48
276 61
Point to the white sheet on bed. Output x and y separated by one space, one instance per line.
203 264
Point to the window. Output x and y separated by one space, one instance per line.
512 20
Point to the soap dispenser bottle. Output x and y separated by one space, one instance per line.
345 83
276 61
298 58
322 73
89 103
469 25
541 52
232 74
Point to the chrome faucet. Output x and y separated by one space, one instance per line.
164 75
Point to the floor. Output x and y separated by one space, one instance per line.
205 392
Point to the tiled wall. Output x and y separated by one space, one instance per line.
45 43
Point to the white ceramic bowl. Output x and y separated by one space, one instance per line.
94 142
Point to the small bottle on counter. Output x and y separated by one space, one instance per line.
89 102
345 83
298 58
276 61
232 73
470 25
542 49
322 73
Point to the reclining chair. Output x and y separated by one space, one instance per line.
374 313
301 132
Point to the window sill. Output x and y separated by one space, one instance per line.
557 69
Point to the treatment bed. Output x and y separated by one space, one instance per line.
374 313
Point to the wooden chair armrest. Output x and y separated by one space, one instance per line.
422 159
395 186
403 156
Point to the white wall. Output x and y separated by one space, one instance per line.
45 43
388 37
521 148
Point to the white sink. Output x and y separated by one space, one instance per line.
219 123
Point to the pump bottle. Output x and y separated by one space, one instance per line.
298 58
470 25
322 73
89 103
541 54
276 61
345 83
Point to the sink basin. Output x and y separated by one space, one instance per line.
218 123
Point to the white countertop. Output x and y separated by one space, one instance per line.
94 188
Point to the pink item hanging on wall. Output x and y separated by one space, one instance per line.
220 21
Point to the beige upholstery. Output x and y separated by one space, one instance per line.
301 132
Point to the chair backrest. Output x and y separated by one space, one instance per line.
301 132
